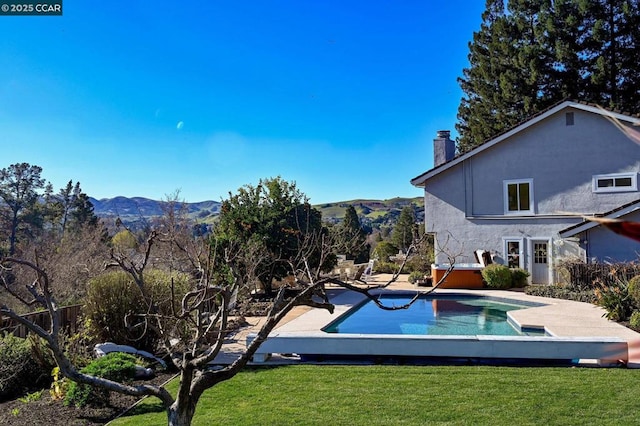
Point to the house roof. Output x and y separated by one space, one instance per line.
543 115
616 213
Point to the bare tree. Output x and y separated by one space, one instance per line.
193 333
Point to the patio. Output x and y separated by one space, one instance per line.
575 331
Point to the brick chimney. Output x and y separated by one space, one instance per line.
444 149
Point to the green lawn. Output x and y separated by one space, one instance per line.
410 395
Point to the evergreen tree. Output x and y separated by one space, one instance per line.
351 239
19 185
539 52
405 230
70 208
83 213
611 53
276 219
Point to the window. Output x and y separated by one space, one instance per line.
513 253
540 253
617 182
518 196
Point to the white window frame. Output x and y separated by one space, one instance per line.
521 252
634 182
505 189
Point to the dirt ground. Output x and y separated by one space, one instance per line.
46 411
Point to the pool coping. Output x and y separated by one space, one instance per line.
575 330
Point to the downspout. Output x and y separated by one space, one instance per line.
587 254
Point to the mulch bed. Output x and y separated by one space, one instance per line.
46 411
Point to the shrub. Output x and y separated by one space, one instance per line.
634 289
415 276
386 267
111 296
497 276
59 385
115 366
519 277
383 250
19 372
560 291
634 321
616 301
419 262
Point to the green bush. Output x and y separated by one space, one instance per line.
519 277
19 371
497 276
111 296
116 366
560 291
386 267
415 276
419 263
634 321
383 250
634 290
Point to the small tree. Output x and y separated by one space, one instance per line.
276 218
350 238
384 250
404 233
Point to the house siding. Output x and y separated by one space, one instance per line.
600 243
464 204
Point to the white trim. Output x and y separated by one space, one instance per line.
589 224
420 180
533 216
505 250
632 175
505 195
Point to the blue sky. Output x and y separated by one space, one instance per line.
145 98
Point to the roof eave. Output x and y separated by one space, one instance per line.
420 180
614 214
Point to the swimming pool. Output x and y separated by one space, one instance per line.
434 315
305 337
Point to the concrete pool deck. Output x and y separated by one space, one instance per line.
576 328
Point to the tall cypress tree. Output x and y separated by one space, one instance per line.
480 82
351 238
405 230
612 50
542 51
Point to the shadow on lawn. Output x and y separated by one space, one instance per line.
144 407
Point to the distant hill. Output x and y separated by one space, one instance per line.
368 208
138 209
373 213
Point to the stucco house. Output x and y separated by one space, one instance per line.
520 196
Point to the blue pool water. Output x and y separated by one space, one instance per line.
432 315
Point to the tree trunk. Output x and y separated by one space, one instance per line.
14 229
180 413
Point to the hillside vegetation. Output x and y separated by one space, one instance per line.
374 213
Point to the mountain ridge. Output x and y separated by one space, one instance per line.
133 210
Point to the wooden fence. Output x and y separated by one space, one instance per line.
68 321
590 275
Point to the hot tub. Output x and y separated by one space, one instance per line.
464 275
